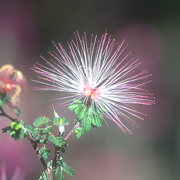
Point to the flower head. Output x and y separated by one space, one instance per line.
99 72
11 79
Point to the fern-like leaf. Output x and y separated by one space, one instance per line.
40 121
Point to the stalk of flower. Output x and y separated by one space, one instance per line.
101 74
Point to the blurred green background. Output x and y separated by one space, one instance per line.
152 31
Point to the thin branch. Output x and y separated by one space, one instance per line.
33 143
36 149
3 113
71 132
57 154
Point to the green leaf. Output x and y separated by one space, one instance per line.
49 164
68 170
44 152
42 138
1 102
97 120
78 101
83 113
47 130
73 106
59 174
16 125
85 118
6 129
43 176
60 177
88 117
90 111
78 131
7 98
13 133
29 128
35 133
86 124
16 130
60 121
78 110
57 141
17 134
21 135
40 121
42 141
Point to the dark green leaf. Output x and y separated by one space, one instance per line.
21 135
17 134
44 152
57 141
78 131
49 164
6 129
86 124
73 106
43 176
29 128
83 113
68 170
40 121
97 120
59 174
7 98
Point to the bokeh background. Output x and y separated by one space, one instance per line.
152 31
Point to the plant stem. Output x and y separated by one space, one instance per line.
57 155
49 174
36 149
71 132
3 113
30 139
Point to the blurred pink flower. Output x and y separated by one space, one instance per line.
17 175
11 79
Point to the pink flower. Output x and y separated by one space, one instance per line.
11 79
99 72
17 175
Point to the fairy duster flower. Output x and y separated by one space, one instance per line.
99 72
